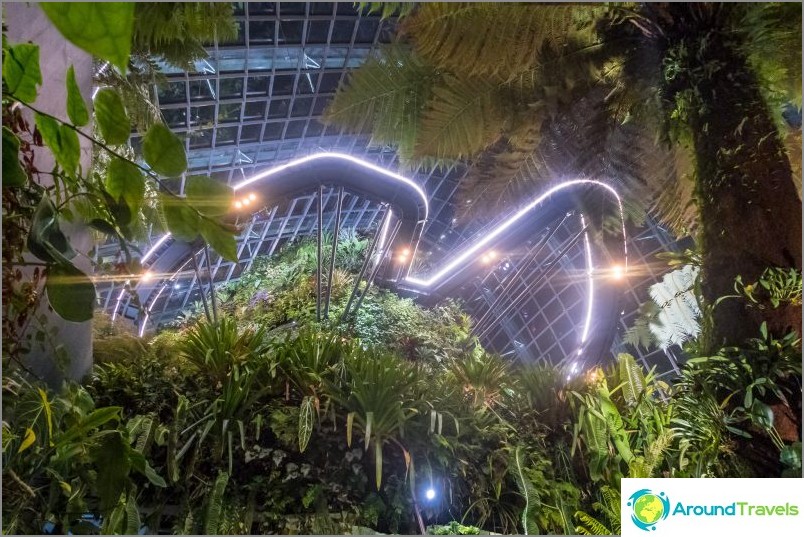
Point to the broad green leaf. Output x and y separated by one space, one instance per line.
378 462
141 464
182 221
62 141
367 438
21 71
94 420
305 422
30 438
110 455
350 420
220 239
48 414
70 292
208 196
13 174
111 116
124 180
103 29
45 239
164 151
76 108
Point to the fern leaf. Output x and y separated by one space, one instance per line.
528 492
215 505
462 118
590 525
632 377
490 39
385 97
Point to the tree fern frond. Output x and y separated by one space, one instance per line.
463 117
678 319
178 31
385 97
492 39
387 9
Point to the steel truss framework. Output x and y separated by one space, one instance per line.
257 102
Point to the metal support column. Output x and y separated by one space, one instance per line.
334 252
319 253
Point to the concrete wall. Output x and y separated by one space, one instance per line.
26 22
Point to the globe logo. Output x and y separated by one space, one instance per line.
648 508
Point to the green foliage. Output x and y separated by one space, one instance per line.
219 237
163 151
177 32
609 508
209 196
62 140
478 39
102 29
776 286
13 174
111 116
76 108
21 71
70 293
75 456
454 528
125 183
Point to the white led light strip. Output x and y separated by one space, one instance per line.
462 258
273 171
458 261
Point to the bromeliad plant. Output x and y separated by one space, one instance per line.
237 364
377 392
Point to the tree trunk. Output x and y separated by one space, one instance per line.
749 207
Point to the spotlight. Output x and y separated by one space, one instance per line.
252 196
246 201
492 255
176 286
617 272
406 252
238 205
147 276
430 494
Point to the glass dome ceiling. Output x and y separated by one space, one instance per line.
257 103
